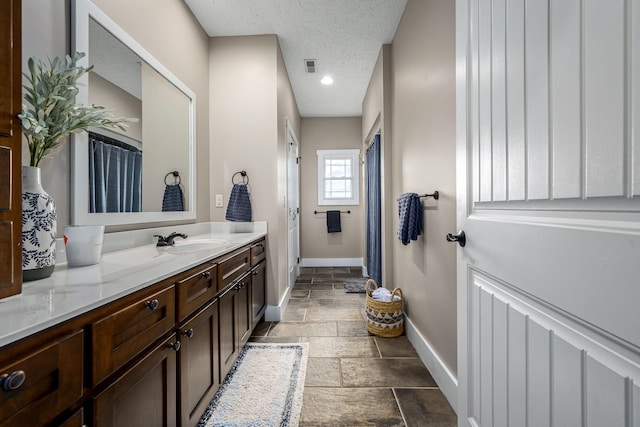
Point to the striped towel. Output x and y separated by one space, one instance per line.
173 199
410 212
239 207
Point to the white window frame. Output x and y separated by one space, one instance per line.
352 154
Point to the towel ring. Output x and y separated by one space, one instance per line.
176 181
243 174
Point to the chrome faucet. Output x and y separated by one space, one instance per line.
168 241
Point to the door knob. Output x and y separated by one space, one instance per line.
460 238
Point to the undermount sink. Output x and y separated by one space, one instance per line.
193 245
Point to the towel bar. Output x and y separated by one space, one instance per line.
435 195
320 212
243 174
176 178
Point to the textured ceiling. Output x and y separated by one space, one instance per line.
114 61
344 36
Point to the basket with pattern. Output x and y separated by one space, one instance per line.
384 318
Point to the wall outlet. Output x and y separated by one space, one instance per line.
219 201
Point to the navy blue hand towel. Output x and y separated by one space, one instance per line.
173 199
239 207
333 222
410 212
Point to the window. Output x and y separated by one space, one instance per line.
338 177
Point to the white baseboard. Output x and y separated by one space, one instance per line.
445 379
331 262
273 313
365 272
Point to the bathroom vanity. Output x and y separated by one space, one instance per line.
144 338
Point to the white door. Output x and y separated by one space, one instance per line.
293 205
548 120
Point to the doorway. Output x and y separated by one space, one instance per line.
293 206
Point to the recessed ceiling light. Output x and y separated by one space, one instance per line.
326 80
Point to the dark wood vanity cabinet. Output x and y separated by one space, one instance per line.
228 330
196 289
10 148
199 364
235 321
130 327
40 384
155 357
258 292
144 395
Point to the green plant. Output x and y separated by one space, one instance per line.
51 111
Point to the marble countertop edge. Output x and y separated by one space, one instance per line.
123 270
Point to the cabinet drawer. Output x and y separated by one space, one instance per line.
233 267
258 252
52 382
196 290
120 336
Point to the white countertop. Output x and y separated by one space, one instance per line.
125 267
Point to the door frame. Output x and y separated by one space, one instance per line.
462 135
292 140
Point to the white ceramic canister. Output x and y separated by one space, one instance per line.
83 244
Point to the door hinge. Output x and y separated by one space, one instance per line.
298 260
298 160
297 210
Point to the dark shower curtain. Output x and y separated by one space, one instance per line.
374 206
115 178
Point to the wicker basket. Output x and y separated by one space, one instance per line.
384 319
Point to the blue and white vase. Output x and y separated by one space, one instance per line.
38 227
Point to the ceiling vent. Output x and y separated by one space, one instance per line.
310 65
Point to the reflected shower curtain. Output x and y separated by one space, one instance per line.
374 206
115 178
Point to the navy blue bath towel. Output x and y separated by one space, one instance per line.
239 207
173 199
333 222
410 211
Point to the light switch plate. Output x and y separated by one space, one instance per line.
219 201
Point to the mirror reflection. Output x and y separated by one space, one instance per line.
127 170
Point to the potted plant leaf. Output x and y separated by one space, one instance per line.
49 114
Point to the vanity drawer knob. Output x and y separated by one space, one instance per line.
206 275
175 346
152 304
188 333
12 381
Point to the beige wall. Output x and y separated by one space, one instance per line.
183 50
315 242
250 97
120 102
423 161
165 148
376 117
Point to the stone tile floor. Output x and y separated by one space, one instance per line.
353 378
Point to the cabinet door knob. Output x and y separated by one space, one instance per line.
175 346
152 304
206 275
12 381
188 333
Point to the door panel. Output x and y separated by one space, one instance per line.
561 376
293 206
548 124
